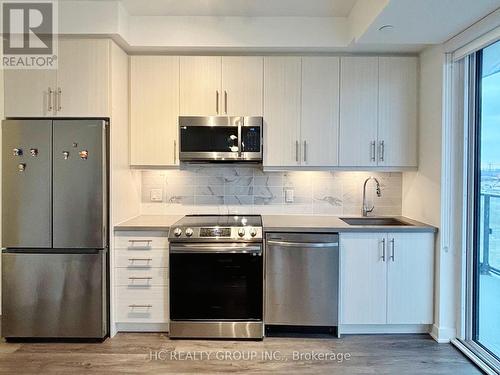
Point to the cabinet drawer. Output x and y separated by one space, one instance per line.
141 240
141 259
142 305
141 278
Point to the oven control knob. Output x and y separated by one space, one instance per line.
177 232
189 232
253 232
241 232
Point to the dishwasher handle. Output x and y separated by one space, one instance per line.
303 244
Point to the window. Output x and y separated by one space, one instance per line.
485 271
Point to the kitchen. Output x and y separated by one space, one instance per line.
261 193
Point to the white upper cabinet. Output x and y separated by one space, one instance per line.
29 93
200 86
378 112
219 86
358 111
79 87
83 77
320 111
282 103
154 110
242 86
397 112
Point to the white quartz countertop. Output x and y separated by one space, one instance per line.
149 222
311 223
283 223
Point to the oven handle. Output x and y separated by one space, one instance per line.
216 249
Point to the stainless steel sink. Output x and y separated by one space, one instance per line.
374 221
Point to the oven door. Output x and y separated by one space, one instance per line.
216 282
209 138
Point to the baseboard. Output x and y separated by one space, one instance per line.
443 335
142 327
347 329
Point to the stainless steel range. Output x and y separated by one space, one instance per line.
216 277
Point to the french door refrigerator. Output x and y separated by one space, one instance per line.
54 229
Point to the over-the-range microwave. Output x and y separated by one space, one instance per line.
220 139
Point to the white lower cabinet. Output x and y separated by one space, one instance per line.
387 278
141 280
142 305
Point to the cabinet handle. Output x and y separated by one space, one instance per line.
382 150
225 102
392 249
49 100
132 260
372 151
140 278
383 249
59 99
217 101
305 151
175 151
297 151
146 243
144 306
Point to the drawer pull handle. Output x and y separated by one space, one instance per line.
135 241
132 260
140 278
139 306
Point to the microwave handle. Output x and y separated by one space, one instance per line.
240 124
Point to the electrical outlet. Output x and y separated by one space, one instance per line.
156 195
289 195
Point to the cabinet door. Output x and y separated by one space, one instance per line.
282 91
83 77
200 86
154 110
242 81
410 278
28 92
320 111
358 113
397 112
363 278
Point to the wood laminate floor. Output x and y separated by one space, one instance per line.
151 353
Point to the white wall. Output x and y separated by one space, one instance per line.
422 189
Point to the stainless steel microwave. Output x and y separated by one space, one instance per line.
220 139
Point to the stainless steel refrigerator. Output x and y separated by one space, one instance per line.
54 229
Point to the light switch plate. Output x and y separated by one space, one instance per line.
289 195
156 195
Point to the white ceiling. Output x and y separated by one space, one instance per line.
426 21
274 25
243 8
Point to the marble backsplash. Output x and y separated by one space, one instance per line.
246 190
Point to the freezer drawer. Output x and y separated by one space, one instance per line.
27 183
54 295
302 279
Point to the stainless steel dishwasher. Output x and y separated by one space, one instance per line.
302 280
